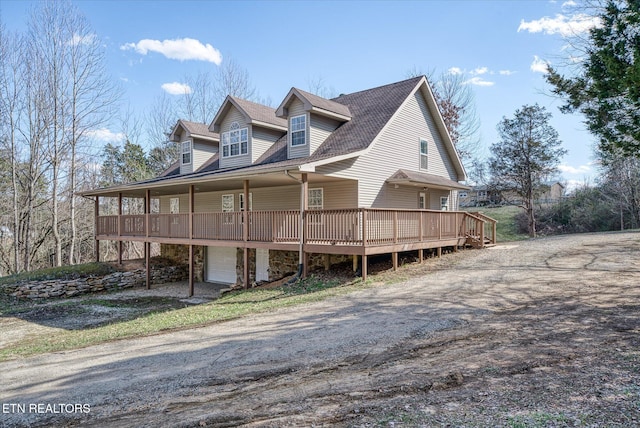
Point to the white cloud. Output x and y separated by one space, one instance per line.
455 70
568 169
77 39
180 49
104 134
561 24
539 65
478 81
506 72
176 88
568 4
479 71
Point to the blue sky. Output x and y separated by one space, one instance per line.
499 46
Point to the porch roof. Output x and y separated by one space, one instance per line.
422 179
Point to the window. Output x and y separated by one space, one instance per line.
444 203
315 199
315 202
235 142
298 128
241 201
174 208
422 200
227 207
424 150
186 152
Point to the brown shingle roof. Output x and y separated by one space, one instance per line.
259 112
403 176
325 104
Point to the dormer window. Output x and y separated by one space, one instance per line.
186 152
235 142
298 127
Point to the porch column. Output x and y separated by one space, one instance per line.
96 209
304 204
120 228
394 257
245 235
191 249
420 255
147 211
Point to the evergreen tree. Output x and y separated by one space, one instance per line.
607 88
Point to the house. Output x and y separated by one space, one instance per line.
479 196
262 192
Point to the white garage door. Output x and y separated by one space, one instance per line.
221 264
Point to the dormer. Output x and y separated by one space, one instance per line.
246 130
196 144
311 119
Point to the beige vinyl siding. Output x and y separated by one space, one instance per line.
202 152
296 108
261 140
234 115
337 195
398 147
319 129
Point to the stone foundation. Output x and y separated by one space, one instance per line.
180 254
112 281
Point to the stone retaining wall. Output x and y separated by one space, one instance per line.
112 281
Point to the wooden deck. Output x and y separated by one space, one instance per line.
360 231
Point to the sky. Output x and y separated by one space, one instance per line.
501 49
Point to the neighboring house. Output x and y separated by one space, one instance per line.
478 196
553 194
263 192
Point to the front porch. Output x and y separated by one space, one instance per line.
358 232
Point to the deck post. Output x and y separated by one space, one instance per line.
395 227
120 228
439 252
327 262
355 262
96 210
364 267
147 262
245 267
191 270
420 255
394 257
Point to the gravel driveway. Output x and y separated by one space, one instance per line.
541 332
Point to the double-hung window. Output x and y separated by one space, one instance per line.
424 152
298 128
228 208
235 142
186 152
315 202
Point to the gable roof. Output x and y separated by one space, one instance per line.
372 110
253 113
194 129
315 104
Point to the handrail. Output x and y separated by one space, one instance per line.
350 226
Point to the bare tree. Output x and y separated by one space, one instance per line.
318 86
232 79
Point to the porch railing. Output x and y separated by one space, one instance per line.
358 226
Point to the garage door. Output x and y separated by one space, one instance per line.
221 264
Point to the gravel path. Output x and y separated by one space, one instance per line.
515 332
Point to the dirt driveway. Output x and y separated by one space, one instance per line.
538 333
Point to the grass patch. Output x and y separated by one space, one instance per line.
63 272
228 307
537 419
506 227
